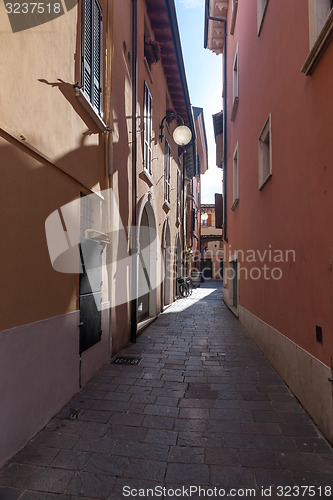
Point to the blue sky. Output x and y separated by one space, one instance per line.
204 78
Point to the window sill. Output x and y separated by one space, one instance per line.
319 46
234 109
263 184
166 206
146 176
233 19
235 203
90 110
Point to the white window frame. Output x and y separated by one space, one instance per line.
319 11
320 30
235 176
265 153
167 173
147 129
261 11
233 17
179 191
235 85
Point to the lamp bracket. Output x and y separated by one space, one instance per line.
168 115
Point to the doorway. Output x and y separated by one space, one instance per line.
234 282
207 268
144 267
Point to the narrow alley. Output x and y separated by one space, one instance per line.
203 408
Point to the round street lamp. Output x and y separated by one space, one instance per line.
182 135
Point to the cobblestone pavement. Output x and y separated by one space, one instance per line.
203 408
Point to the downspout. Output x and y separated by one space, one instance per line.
184 221
107 143
207 19
225 135
134 242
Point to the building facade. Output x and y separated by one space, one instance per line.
92 198
278 183
211 244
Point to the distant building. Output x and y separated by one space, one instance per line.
193 196
211 244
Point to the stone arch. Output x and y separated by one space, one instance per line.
178 262
147 242
167 270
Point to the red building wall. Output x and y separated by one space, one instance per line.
293 211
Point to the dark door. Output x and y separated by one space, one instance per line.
234 266
90 293
207 268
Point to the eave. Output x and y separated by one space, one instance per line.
163 19
216 13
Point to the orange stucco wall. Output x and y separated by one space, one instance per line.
294 209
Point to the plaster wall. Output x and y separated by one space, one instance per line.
293 210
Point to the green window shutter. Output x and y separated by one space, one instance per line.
92 43
87 47
97 55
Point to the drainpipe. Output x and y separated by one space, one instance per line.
184 221
207 19
107 144
225 135
134 242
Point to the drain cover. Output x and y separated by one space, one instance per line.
74 414
127 360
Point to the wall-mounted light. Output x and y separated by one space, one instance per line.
204 216
182 135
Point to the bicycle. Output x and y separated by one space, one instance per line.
185 286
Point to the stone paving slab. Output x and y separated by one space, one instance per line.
204 408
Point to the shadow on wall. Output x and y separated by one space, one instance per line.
30 191
68 91
122 139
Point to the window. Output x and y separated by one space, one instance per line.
265 154
208 221
167 173
148 127
320 30
261 10
322 8
86 214
92 41
179 191
235 86
235 179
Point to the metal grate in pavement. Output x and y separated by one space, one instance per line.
127 360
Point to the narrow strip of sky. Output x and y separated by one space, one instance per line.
204 77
